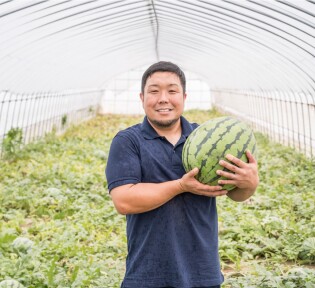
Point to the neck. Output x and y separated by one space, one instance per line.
172 133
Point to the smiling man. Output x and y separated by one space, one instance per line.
164 101
172 226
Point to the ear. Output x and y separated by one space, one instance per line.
142 98
185 96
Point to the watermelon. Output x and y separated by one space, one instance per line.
211 142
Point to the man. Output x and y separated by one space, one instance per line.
172 226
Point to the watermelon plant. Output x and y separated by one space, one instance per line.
11 283
53 194
22 245
12 142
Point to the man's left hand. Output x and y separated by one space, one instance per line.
241 174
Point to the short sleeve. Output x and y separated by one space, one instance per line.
123 165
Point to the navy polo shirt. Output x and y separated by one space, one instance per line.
175 244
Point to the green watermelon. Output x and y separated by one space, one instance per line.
211 141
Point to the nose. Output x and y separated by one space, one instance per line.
163 97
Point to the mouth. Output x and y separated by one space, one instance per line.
164 110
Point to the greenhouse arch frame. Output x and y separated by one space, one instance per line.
258 58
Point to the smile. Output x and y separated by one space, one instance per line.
164 110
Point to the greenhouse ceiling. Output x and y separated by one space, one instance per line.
81 44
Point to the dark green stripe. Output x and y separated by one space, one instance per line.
208 135
214 145
240 153
227 148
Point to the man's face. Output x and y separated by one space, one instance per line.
163 99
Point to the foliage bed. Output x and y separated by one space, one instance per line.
53 193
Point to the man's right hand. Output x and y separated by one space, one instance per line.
189 183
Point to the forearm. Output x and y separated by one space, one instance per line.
239 194
143 197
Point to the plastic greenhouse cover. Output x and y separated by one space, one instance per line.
58 45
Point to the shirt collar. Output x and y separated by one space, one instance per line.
149 132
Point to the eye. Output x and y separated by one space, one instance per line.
172 91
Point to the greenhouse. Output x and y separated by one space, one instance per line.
70 79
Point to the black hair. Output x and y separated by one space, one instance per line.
163 66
